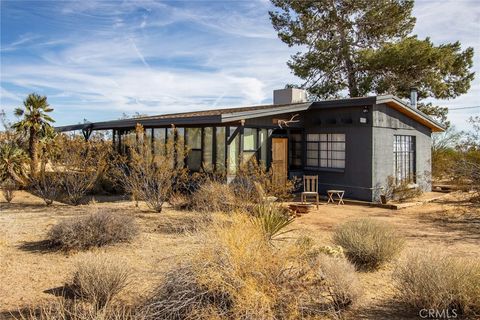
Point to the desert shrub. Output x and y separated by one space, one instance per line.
214 196
8 189
272 219
237 274
431 280
368 243
251 172
340 281
99 278
95 230
66 309
76 164
151 176
46 185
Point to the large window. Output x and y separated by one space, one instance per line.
194 145
220 148
208 149
249 143
326 150
295 149
404 158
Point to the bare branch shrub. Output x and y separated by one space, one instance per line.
8 189
99 278
95 230
368 243
400 190
150 175
65 309
78 164
237 274
432 280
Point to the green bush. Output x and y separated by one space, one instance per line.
368 243
95 230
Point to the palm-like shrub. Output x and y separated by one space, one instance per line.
368 243
12 162
272 219
8 189
35 122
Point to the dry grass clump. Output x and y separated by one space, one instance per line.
238 275
430 280
185 223
64 309
99 278
214 196
95 230
368 243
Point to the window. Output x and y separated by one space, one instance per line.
326 150
263 145
220 152
295 149
208 149
159 140
194 145
404 158
233 152
249 143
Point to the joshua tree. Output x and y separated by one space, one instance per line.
36 122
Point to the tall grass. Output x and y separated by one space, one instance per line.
432 280
238 275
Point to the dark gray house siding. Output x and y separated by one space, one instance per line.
369 131
356 177
387 123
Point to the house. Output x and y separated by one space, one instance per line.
352 144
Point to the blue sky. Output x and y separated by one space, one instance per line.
97 59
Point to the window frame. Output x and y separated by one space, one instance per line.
408 158
319 149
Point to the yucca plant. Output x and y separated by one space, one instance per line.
272 219
36 122
12 161
8 188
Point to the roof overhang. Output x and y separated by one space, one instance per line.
397 104
237 116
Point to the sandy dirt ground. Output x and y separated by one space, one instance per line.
30 272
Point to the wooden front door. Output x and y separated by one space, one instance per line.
279 160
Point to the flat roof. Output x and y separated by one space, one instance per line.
226 115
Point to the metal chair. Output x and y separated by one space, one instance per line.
310 188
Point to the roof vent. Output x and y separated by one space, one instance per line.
413 97
289 95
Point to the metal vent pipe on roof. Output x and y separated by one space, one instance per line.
413 97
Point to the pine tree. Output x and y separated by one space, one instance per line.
364 46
